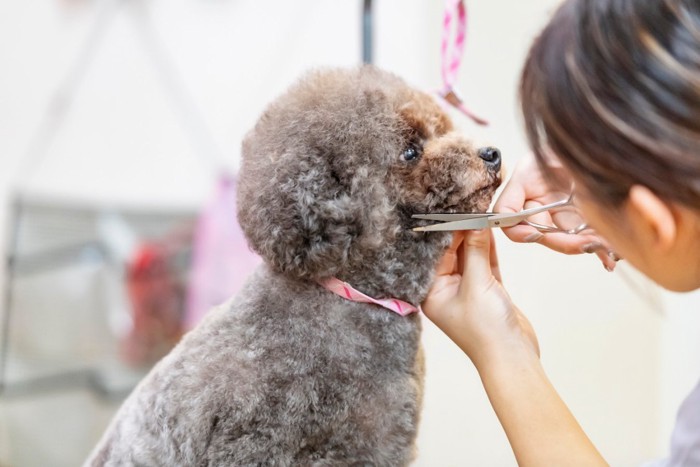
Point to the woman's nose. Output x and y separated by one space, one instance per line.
492 157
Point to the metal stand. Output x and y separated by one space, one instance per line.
367 32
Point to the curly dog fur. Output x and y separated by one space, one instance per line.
288 373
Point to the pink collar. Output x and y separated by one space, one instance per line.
348 292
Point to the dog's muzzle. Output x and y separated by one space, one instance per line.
491 157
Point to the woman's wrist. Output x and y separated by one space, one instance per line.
496 353
539 426
509 337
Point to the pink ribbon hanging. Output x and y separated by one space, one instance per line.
452 56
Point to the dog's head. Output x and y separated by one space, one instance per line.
334 169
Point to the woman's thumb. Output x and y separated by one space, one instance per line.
476 259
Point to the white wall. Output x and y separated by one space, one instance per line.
605 344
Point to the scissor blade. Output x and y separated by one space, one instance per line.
466 224
482 220
452 217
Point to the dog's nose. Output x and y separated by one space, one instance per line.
492 157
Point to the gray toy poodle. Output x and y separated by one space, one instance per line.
288 372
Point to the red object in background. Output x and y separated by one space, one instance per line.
156 295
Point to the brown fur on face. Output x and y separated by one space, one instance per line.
449 176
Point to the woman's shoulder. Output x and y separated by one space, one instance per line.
685 439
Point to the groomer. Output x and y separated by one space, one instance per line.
610 95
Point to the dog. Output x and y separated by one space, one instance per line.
288 372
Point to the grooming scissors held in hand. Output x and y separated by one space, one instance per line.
562 218
572 223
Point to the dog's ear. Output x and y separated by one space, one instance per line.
312 195
302 215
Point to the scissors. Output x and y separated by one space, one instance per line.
490 220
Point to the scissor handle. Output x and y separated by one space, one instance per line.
515 218
547 207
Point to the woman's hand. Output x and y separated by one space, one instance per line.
528 189
468 302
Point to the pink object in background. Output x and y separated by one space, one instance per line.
451 54
221 258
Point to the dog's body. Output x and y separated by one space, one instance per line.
309 393
289 373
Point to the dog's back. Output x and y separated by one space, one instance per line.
287 374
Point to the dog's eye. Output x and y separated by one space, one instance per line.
410 154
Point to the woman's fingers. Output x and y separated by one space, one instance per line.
607 257
448 262
570 244
522 233
557 241
512 199
493 259
476 258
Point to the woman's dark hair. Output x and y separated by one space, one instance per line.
612 89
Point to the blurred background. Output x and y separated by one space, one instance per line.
120 128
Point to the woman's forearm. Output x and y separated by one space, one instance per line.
540 428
